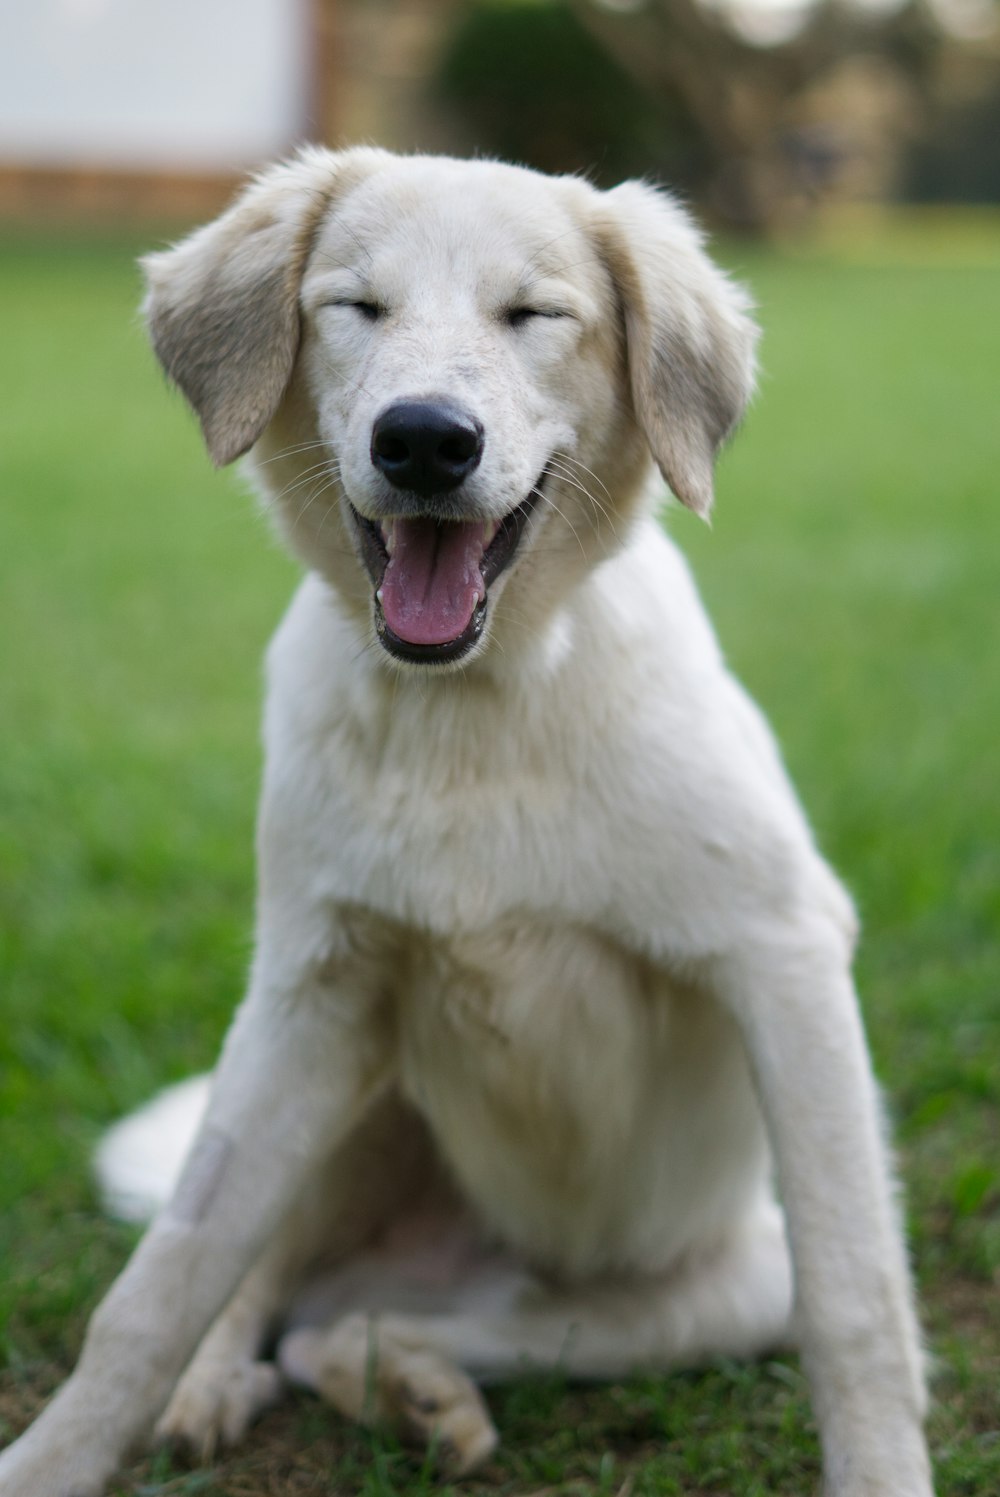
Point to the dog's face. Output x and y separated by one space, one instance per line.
454 374
460 352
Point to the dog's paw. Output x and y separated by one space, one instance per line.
439 1406
371 1376
214 1405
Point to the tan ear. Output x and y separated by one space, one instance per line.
689 337
222 306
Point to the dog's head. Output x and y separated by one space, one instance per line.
453 375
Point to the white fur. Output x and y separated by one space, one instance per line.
548 966
139 1160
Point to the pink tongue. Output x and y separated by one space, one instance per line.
433 579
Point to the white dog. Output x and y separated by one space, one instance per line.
549 975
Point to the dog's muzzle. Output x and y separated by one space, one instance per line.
432 578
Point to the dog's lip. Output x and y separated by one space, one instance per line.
497 556
443 654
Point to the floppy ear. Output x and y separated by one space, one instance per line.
689 337
222 306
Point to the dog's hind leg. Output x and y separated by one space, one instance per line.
373 1374
365 1183
417 1371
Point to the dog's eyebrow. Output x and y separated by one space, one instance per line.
546 245
343 264
333 284
552 289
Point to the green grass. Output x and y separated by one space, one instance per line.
852 572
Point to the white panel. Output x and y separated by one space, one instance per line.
201 83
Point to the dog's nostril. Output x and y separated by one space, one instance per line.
391 449
458 448
427 447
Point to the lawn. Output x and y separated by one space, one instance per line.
852 570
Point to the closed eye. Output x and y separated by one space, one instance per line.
519 316
370 310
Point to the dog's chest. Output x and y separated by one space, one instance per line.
450 820
562 1079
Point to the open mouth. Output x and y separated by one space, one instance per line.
432 578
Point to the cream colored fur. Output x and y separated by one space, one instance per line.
549 975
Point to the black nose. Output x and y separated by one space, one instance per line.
426 446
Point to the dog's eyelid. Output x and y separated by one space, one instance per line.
369 308
518 315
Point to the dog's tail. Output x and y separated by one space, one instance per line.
138 1161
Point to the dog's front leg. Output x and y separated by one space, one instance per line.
300 1063
792 994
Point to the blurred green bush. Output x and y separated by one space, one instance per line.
533 85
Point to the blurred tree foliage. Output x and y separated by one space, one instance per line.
957 159
533 84
856 104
